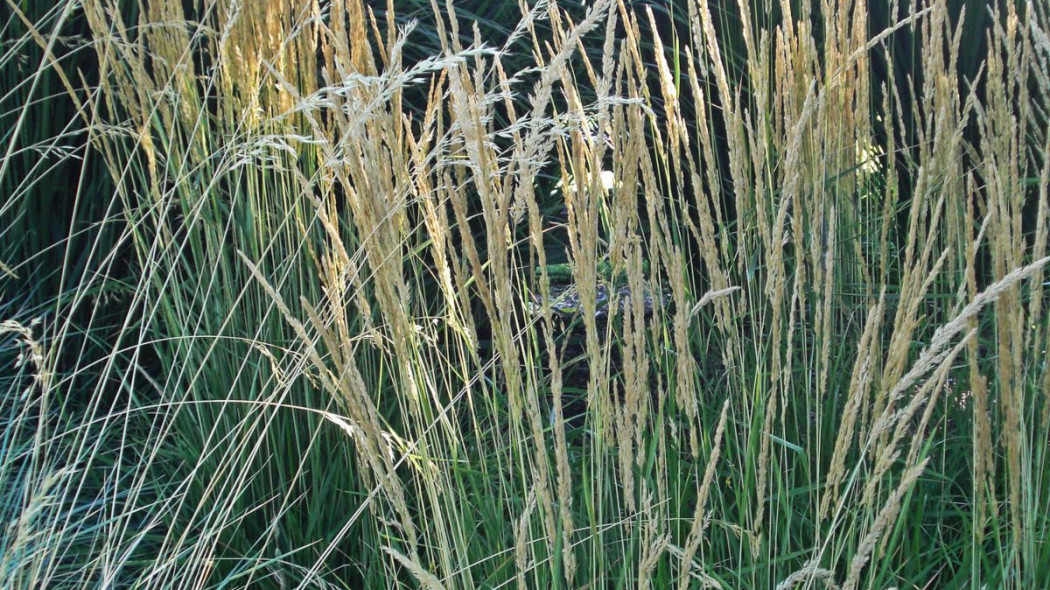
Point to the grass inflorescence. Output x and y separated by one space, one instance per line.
349 294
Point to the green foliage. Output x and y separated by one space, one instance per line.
280 294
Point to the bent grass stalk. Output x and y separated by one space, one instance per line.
317 214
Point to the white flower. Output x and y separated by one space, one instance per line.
608 180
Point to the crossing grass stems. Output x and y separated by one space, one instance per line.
322 375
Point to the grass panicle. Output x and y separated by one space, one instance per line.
350 294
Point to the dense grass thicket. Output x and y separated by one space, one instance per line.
536 294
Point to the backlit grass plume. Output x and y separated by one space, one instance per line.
614 294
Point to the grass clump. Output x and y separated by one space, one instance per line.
302 324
